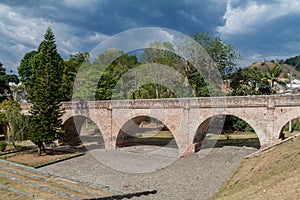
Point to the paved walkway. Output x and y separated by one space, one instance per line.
197 176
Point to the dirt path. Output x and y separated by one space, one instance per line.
197 176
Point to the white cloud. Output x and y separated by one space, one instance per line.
18 47
97 37
80 4
246 19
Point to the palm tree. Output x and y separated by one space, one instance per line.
272 76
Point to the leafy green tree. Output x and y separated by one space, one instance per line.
26 72
113 73
17 124
272 75
162 53
294 61
249 81
45 122
233 123
25 69
5 79
95 80
70 71
224 54
85 84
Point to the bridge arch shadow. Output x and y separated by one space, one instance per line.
225 130
82 132
145 130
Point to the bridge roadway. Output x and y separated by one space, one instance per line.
188 119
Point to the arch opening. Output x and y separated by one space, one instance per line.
145 130
82 132
291 128
225 130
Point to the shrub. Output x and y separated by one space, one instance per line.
296 126
3 146
20 148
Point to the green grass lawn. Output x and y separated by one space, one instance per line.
274 174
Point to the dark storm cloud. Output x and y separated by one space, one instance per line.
111 17
259 29
79 25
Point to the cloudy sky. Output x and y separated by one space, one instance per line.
259 29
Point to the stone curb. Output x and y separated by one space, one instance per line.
259 152
59 160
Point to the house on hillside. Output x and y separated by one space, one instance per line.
293 86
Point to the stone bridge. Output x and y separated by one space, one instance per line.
188 119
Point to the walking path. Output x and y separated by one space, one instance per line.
134 169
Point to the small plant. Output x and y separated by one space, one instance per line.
296 126
139 135
20 148
227 136
3 145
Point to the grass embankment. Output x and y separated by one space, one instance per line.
274 174
19 182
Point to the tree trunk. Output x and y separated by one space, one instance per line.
39 148
156 92
43 148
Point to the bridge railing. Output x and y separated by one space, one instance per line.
200 102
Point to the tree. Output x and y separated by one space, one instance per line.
71 68
5 79
45 122
25 69
294 61
17 124
249 81
162 53
272 75
204 76
223 54
26 72
115 64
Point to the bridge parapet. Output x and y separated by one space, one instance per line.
286 100
200 102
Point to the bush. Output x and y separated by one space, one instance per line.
20 148
3 146
296 126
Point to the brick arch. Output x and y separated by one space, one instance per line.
70 113
136 119
203 125
283 119
68 123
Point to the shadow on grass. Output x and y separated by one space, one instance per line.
151 141
237 142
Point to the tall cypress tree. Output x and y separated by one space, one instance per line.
45 123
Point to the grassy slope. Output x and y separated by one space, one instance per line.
274 174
